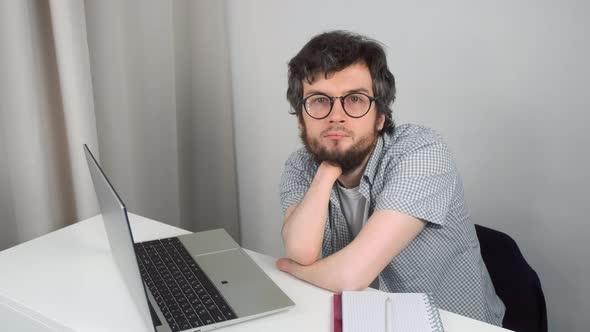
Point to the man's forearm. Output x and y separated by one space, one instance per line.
355 266
331 273
303 230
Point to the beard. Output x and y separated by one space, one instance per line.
349 159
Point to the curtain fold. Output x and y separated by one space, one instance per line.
73 64
145 84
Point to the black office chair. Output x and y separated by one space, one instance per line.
516 283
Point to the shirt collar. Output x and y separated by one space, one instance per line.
371 169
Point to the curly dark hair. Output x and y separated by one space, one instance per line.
333 51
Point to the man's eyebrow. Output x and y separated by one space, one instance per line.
358 90
311 92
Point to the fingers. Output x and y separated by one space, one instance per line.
283 264
330 170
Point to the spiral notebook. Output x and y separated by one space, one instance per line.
385 312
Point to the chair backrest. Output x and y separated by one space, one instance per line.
516 283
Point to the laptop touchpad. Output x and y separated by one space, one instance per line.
247 289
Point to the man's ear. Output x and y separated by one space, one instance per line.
300 121
380 122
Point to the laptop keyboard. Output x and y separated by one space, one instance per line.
183 292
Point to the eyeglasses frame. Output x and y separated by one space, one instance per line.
332 98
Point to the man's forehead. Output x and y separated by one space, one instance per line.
320 74
353 77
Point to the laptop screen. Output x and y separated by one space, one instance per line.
116 223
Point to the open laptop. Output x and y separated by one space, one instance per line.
194 282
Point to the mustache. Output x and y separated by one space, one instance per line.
337 128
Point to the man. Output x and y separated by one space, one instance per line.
367 201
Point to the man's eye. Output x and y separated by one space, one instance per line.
321 100
356 99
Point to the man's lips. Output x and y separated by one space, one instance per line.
335 135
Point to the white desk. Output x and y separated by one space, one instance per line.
67 281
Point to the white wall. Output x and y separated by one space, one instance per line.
505 84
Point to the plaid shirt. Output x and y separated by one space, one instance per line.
412 171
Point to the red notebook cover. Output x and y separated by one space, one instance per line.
337 299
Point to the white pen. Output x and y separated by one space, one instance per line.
388 313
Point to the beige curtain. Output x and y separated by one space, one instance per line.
145 83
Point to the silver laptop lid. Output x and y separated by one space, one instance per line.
116 223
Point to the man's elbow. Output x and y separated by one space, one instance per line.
303 256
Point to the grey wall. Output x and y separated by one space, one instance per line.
504 83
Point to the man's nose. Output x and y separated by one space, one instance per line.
337 114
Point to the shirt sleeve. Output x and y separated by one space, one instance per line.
422 182
295 180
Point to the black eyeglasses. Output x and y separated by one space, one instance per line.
355 105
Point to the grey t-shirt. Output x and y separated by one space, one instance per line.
412 171
354 208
